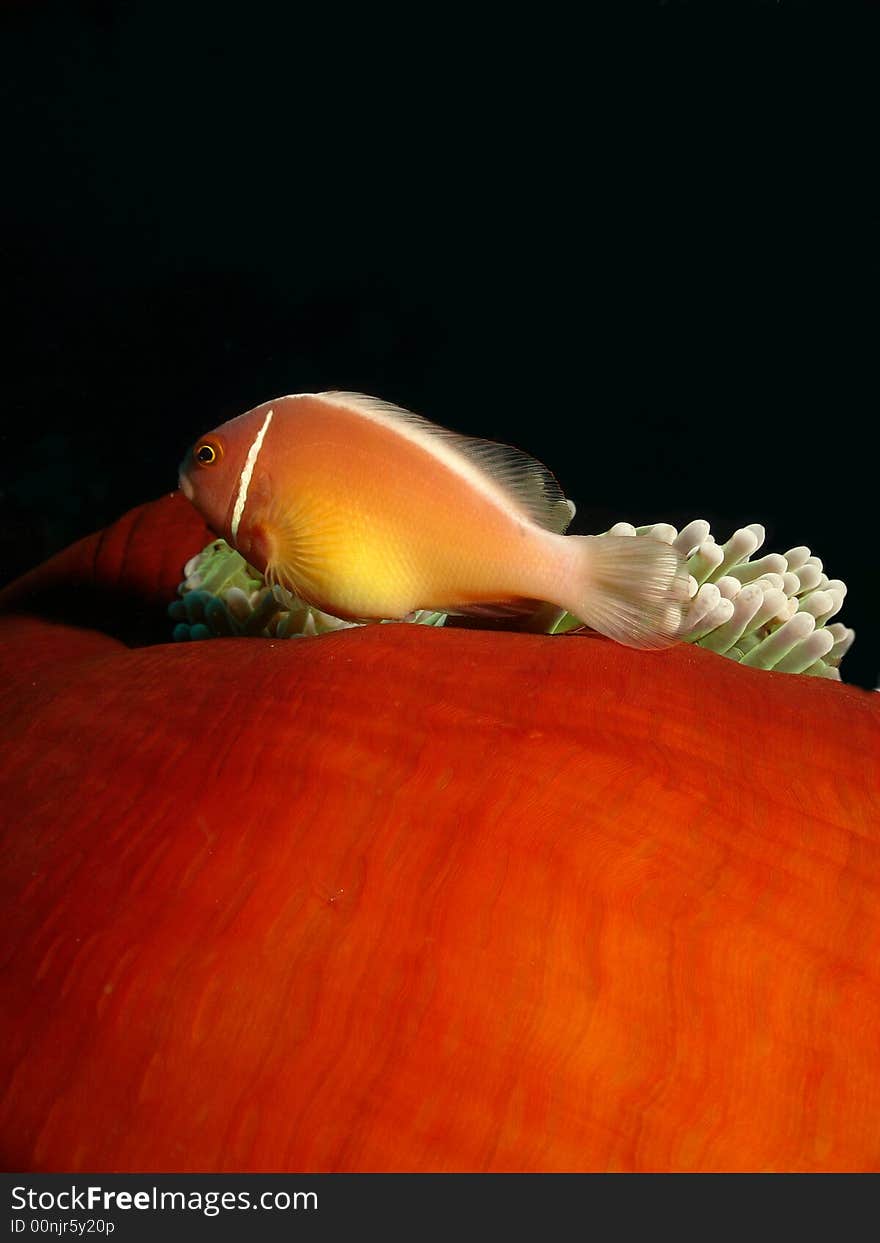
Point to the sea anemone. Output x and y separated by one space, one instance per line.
773 613
413 898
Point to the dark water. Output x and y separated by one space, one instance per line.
641 260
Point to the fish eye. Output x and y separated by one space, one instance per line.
208 452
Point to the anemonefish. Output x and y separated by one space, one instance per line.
365 511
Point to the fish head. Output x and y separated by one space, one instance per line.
214 475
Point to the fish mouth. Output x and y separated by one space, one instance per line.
185 486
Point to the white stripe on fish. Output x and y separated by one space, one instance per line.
246 474
520 484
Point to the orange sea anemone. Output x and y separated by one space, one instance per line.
408 898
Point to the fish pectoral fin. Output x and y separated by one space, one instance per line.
304 545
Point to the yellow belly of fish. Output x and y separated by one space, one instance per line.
367 577
346 564
361 564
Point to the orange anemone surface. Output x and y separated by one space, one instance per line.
401 898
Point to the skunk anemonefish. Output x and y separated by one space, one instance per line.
367 511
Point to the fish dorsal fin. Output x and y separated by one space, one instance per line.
522 480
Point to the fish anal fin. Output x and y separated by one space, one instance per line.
498 609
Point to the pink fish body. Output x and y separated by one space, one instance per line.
367 511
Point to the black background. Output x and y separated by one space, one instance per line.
644 251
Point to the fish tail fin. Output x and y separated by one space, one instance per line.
632 589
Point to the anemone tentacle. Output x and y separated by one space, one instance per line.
770 613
